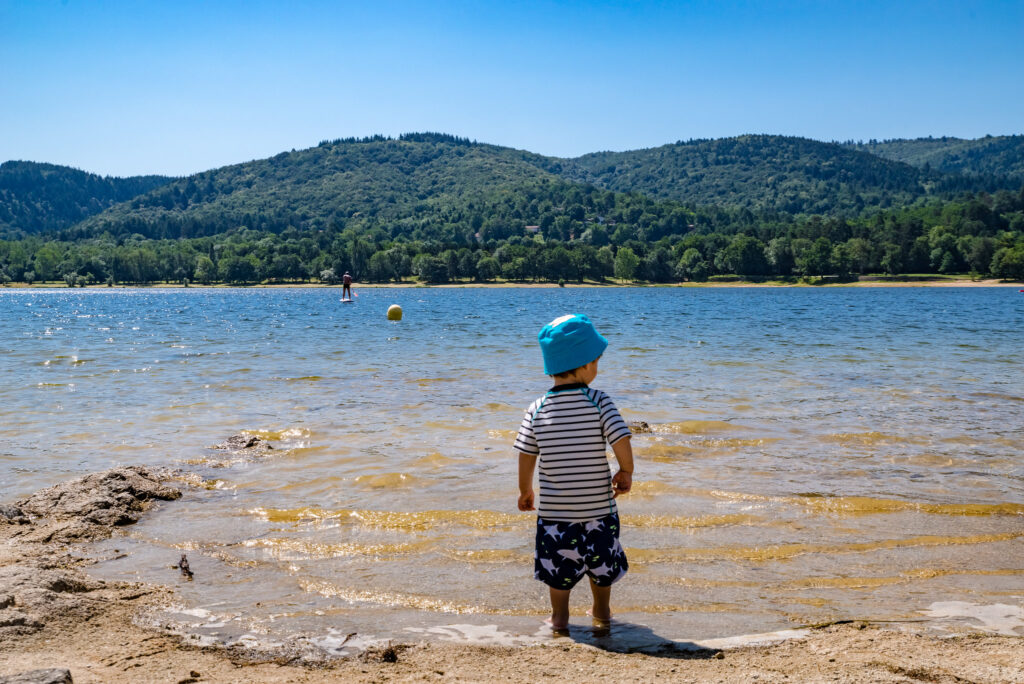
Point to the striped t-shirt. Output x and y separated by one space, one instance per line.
568 428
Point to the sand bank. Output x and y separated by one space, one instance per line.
938 282
53 615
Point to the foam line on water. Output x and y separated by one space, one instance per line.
862 505
780 552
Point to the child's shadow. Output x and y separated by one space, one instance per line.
628 637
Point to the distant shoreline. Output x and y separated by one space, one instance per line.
938 282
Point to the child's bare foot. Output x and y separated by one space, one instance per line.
557 625
599 621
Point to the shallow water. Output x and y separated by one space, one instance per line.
816 454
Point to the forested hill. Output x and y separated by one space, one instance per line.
415 180
988 156
792 175
37 198
436 186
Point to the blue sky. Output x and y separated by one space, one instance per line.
125 88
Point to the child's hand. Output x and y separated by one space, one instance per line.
526 501
622 482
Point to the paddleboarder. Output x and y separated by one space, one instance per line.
346 286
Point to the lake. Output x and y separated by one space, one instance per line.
815 454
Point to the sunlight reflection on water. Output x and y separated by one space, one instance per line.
814 454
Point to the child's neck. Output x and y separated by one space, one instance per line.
574 379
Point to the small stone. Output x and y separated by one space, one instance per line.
52 676
239 442
720 656
13 515
15 618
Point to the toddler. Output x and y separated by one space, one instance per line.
567 429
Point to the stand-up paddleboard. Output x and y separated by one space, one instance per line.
346 301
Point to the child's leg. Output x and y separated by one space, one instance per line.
602 599
559 608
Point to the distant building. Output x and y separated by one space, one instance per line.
532 229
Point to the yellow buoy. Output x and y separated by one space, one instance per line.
394 313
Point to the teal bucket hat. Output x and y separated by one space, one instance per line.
569 342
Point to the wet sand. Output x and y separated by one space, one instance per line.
110 648
53 615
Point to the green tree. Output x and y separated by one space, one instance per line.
691 266
205 272
556 264
840 259
487 268
779 253
430 269
380 269
467 264
626 263
817 259
979 253
657 266
514 269
892 258
861 255
605 262
238 270
1008 263
285 267
743 256
47 258
583 258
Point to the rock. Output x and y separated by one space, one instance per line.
44 592
54 676
13 514
89 507
243 442
16 618
15 578
186 571
40 581
639 427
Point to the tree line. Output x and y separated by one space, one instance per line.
595 236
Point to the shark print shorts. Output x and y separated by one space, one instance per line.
566 551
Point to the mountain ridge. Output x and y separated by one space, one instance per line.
422 176
50 197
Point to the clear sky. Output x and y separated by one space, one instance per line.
180 86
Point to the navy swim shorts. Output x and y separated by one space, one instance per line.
568 550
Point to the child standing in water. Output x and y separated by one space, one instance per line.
567 428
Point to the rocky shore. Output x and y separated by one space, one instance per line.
59 625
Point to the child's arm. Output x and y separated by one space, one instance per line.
527 462
623 480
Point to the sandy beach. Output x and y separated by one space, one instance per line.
53 615
938 282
